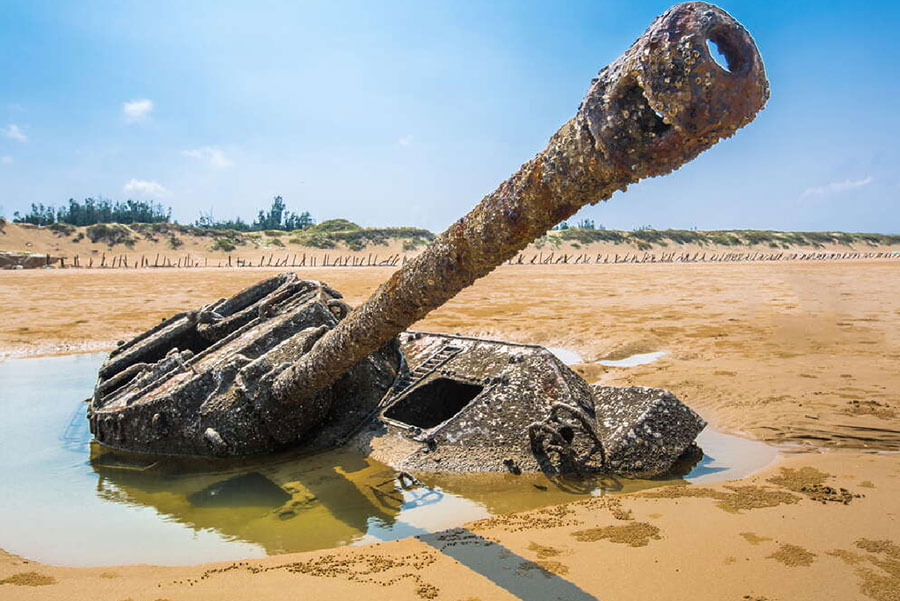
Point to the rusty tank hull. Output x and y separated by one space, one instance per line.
287 363
466 404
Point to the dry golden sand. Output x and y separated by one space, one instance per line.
799 353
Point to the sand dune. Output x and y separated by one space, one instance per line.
197 247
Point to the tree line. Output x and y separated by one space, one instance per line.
92 211
276 218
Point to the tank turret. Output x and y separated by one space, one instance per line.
190 385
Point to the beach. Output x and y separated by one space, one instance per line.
799 355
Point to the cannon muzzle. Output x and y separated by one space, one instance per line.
656 107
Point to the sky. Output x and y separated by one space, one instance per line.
408 113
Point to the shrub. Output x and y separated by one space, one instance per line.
329 234
150 230
411 244
61 229
110 234
334 225
723 239
757 237
315 240
585 236
683 236
648 237
222 244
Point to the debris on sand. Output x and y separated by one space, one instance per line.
636 534
29 579
793 556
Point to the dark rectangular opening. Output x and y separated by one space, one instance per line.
433 403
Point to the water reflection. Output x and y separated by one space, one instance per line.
288 505
298 503
246 490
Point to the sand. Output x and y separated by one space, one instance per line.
802 355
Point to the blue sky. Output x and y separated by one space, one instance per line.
407 113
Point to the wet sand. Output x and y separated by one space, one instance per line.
803 355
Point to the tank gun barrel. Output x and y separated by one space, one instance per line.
656 107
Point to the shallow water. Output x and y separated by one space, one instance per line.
567 356
68 501
634 360
570 357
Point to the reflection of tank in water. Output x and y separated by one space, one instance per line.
290 502
282 504
287 363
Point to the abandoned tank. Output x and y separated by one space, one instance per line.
288 363
423 401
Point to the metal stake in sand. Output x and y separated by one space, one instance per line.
659 105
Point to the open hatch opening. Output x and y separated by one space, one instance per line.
433 403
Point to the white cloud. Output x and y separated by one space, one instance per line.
140 188
213 156
6 160
137 110
836 188
405 140
13 132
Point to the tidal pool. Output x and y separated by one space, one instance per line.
634 360
570 357
66 500
567 356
